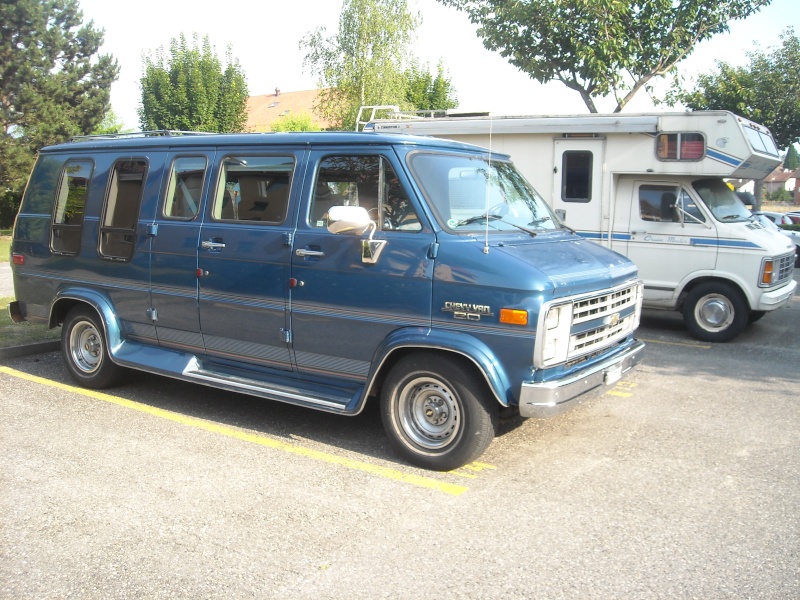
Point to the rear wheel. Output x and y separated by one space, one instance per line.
715 312
437 412
85 352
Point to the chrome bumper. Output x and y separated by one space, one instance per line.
541 400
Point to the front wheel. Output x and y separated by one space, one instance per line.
715 312
85 352
437 412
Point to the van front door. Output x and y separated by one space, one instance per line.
345 306
671 238
243 259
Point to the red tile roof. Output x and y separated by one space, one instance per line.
263 111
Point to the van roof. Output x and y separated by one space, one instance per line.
176 139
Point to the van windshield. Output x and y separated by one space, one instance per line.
721 200
472 193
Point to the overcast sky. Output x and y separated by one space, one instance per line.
265 34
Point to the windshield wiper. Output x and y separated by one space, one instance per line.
477 218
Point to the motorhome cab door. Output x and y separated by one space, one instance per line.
670 236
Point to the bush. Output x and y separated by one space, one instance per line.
9 205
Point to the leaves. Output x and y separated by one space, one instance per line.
600 47
188 90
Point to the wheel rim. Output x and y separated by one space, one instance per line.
86 347
430 413
714 312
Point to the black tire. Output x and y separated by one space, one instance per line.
715 312
755 315
437 412
85 351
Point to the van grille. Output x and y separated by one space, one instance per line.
785 268
606 310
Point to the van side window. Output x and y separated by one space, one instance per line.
253 188
65 235
576 176
661 203
121 211
185 187
368 181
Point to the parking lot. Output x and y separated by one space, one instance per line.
683 481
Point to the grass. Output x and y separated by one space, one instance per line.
5 246
20 334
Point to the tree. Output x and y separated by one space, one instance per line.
426 92
295 122
364 62
766 91
792 160
189 91
53 85
600 47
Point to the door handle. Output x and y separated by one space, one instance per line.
304 252
209 245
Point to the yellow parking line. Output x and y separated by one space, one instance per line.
386 473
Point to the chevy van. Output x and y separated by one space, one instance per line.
324 270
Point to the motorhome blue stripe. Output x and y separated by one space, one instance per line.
596 235
726 158
723 243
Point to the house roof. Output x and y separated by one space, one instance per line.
779 175
263 111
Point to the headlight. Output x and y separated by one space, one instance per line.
555 341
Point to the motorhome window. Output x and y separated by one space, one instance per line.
185 187
254 189
368 181
576 180
680 146
721 200
471 193
761 141
663 203
121 211
73 187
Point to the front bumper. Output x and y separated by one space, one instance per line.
542 400
777 298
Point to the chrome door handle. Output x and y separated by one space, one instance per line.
212 245
304 252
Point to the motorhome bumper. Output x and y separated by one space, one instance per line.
541 400
777 298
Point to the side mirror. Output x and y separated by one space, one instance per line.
349 219
355 219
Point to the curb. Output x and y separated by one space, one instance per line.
28 349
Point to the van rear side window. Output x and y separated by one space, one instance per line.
185 187
254 188
118 229
65 235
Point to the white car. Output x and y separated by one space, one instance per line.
777 217
767 221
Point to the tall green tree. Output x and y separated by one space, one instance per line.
792 160
600 47
767 90
426 92
53 82
364 62
188 90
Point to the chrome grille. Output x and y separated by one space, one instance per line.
785 268
606 309
601 306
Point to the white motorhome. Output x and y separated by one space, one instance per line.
650 186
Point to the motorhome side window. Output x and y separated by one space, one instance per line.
367 181
576 176
185 187
121 210
680 146
65 234
667 203
253 188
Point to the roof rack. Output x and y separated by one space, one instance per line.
388 112
137 134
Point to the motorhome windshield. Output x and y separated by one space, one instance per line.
721 200
471 194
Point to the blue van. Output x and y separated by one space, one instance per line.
323 270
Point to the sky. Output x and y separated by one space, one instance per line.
265 37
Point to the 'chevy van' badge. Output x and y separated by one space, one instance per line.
467 311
